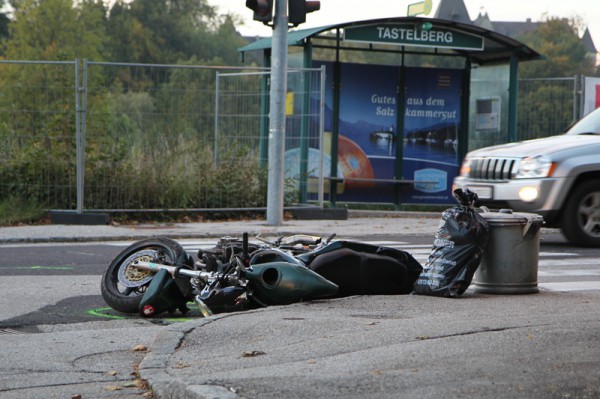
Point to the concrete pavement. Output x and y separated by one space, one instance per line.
479 346
358 224
543 345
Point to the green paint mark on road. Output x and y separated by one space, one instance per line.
98 312
103 312
44 267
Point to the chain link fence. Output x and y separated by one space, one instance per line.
546 107
38 124
122 137
150 141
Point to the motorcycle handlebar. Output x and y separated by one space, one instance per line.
177 271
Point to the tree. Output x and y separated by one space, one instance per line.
546 107
564 54
38 121
170 31
4 20
56 30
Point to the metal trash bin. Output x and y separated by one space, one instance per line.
509 265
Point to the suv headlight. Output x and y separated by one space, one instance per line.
532 167
465 168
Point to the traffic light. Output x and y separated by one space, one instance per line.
297 10
263 10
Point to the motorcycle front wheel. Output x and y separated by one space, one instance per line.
123 286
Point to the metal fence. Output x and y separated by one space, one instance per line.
109 136
546 107
39 116
121 137
242 108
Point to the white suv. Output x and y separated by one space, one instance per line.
557 177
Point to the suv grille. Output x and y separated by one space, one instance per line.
493 168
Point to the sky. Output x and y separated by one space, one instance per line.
336 11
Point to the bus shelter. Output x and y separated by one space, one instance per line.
405 99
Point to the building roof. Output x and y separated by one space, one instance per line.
588 43
453 10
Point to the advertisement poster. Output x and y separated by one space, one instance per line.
431 125
591 99
367 131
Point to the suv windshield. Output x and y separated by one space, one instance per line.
589 124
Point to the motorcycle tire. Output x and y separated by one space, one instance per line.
122 285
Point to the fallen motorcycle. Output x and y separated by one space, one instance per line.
156 275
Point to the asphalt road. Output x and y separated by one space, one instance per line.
60 339
58 283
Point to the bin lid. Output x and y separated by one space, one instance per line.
508 217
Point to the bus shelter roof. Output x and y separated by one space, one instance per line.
496 48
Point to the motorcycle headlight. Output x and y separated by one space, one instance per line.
532 167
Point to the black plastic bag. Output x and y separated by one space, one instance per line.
459 243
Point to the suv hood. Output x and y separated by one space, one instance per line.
546 146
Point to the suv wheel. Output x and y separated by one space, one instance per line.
580 221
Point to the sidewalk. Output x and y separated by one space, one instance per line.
479 346
359 223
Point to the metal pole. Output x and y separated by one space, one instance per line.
321 133
80 134
578 82
275 189
216 135
513 88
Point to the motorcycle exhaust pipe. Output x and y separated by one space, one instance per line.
282 283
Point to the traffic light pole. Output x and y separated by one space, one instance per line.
275 189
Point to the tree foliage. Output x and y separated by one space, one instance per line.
138 31
546 110
564 55
4 20
130 139
56 30
167 32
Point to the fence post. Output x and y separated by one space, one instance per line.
578 96
216 136
513 87
79 139
321 134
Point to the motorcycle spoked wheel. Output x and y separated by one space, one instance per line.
123 286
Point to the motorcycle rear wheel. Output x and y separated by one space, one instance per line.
123 286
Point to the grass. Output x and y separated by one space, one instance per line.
15 211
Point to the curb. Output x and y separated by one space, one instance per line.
153 368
